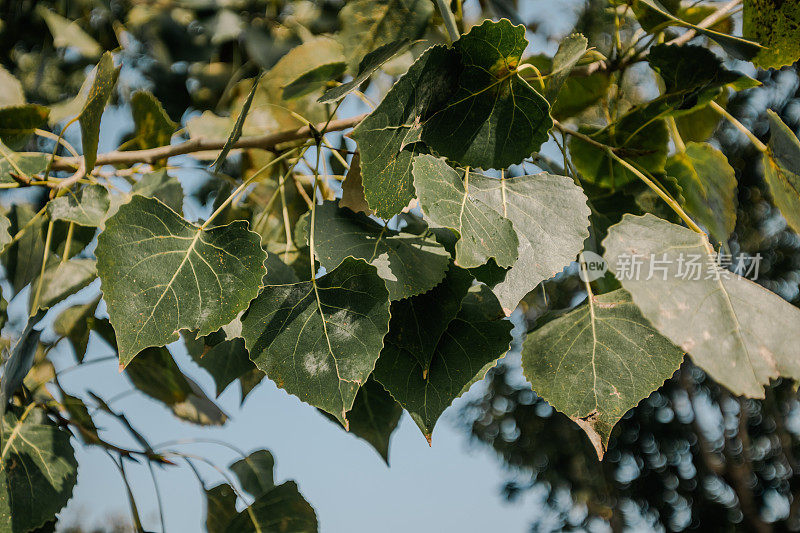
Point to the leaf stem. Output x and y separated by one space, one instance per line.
739 126
680 146
47 241
449 20
664 196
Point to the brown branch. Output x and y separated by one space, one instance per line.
152 155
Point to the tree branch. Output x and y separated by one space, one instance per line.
152 155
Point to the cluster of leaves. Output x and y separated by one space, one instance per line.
390 290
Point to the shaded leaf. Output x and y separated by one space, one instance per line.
19 361
782 170
236 132
89 118
11 91
501 119
644 139
220 508
155 373
17 124
374 417
409 264
75 323
62 279
38 470
597 362
161 185
708 185
281 509
314 80
741 334
446 199
226 360
473 339
386 137
161 274
89 208
366 67
319 340
255 472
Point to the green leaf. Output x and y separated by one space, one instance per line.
314 80
782 170
387 136
501 119
62 279
319 340
89 209
220 508
161 274
645 143
374 417
409 264
38 470
475 338
776 25
20 361
551 218
277 509
23 259
736 46
693 75
236 132
24 164
161 185
708 185
597 362
153 127
18 122
280 510
155 373
255 472
741 334
353 189
226 361
569 52
371 62
103 85
369 24
75 323
446 199
68 34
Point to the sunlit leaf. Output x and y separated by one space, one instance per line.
447 201
89 208
62 279
153 127
741 334
353 189
68 34
370 24
776 25
236 132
